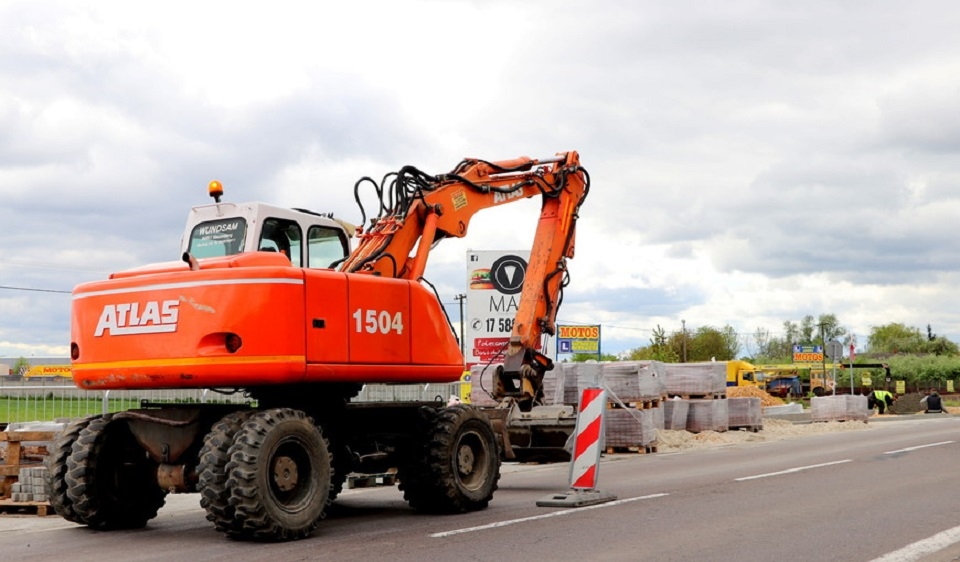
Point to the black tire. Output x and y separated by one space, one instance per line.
458 466
111 481
212 484
341 466
56 463
279 476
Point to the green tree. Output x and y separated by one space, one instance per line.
808 331
21 367
658 350
924 371
706 343
941 346
895 338
763 340
830 328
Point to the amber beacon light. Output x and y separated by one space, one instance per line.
215 188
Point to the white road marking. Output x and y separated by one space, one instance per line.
923 547
544 516
790 470
918 447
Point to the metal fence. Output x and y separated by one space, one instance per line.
28 401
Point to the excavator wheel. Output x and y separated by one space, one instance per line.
278 476
457 468
341 466
111 481
214 456
56 462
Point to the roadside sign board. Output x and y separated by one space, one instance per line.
578 339
494 283
834 350
808 354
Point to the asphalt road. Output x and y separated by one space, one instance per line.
889 491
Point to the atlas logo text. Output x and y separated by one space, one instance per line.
151 317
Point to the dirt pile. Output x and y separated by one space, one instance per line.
754 392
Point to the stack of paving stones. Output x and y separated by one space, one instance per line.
30 486
628 428
571 394
703 387
675 412
842 407
744 413
560 384
634 398
635 381
481 385
708 415
696 380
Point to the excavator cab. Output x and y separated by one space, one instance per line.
307 238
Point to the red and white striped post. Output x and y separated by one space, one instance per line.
585 461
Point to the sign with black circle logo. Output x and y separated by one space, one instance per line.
507 274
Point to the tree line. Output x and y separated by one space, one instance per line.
922 358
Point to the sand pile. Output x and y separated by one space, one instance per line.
773 430
754 392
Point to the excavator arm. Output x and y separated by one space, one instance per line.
418 210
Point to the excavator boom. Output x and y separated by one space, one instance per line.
418 210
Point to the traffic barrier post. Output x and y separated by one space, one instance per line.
585 460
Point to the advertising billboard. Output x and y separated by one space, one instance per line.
578 339
807 354
494 283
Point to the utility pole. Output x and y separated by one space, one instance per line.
823 353
683 323
460 298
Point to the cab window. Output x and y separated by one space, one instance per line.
325 246
223 237
284 236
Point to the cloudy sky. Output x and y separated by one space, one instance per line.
752 162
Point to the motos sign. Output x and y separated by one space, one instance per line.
578 339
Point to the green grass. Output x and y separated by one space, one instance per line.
49 409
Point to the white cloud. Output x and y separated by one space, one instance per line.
751 163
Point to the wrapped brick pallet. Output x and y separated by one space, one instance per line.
675 414
553 385
657 415
843 407
481 385
629 427
857 407
588 375
707 415
571 395
634 381
744 413
696 379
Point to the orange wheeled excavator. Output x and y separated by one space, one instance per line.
271 302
